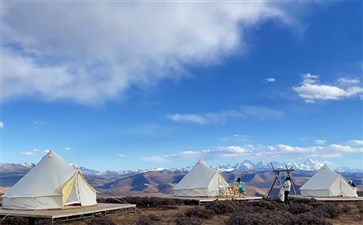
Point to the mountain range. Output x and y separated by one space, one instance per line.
245 166
160 181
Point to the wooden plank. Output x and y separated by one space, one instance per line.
69 212
329 199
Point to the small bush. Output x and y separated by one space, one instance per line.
14 221
200 212
145 220
265 205
183 220
299 208
101 221
149 201
328 210
222 207
346 208
45 222
268 217
308 218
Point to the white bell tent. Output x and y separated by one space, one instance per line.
201 181
51 184
327 183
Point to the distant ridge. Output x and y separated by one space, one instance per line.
247 165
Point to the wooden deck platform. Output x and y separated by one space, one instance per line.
328 199
69 213
203 200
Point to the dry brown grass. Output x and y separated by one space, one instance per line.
167 215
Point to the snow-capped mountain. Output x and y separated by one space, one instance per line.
247 165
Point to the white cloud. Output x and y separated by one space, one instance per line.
121 155
356 142
192 118
1 124
348 81
311 90
75 51
345 148
261 152
320 142
34 151
244 112
27 153
158 159
67 148
269 80
40 122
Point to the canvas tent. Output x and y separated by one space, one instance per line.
327 183
51 184
201 181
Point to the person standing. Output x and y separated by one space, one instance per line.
287 188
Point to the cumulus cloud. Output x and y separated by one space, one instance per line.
75 51
219 152
320 142
311 90
1 124
269 80
34 151
67 148
356 142
244 112
348 81
346 148
263 152
188 154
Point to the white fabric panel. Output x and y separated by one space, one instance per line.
327 183
38 203
73 197
195 192
87 195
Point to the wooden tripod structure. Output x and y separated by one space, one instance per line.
277 177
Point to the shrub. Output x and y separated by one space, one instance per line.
328 210
101 221
14 221
183 220
149 201
299 208
246 219
268 217
221 207
45 222
144 220
200 212
308 218
346 208
265 205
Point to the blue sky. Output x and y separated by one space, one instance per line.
115 86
